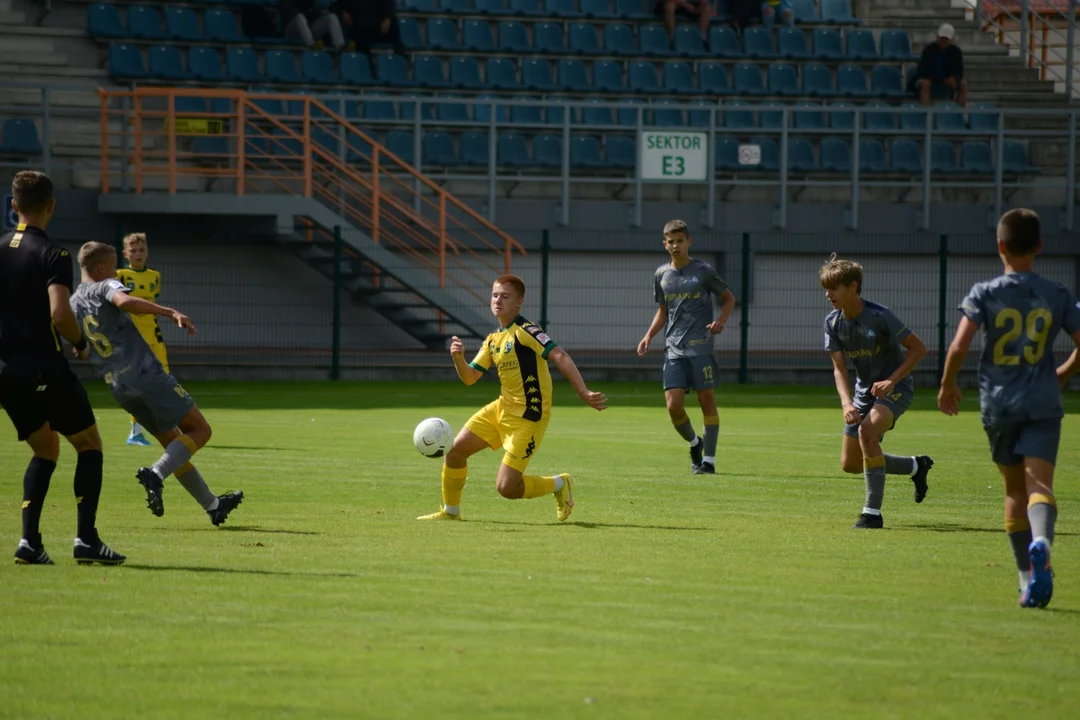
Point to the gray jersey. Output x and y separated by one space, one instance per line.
1022 314
871 340
116 346
687 294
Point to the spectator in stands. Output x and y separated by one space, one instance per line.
741 12
694 9
942 66
370 22
773 9
310 23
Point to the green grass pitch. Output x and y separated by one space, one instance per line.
670 595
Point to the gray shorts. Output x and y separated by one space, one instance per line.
897 402
154 398
700 372
1011 442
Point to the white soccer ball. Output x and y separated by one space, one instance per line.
433 437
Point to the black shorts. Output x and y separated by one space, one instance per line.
35 392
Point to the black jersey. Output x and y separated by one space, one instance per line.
29 264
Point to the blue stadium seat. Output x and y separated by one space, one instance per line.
438 149
476 36
501 74
597 112
376 109
410 33
619 40
20 137
452 112
103 21
948 116
423 6
861 45
547 150
511 150
548 38
125 61
817 80
326 140
713 79
271 106
689 43
983 122
317 67
536 75
187 105
633 10
401 144
835 155
392 70
791 44
878 116
915 119
474 149
527 114
583 39
800 156
669 117
585 151
871 155
456 6
490 7
1016 158
572 75
837 12
408 107
828 44
842 115
905 157
464 72
805 11
653 40
726 154
896 45
621 151
783 80
757 43
557 111
679 78
181 23
770 153
809 116
700 118
630 108
975 157
771 115
281 67
562 9
513 37
738 115
204 64
220 26
442 34
723 42
166 63
885 81
747 80
851 81
607 76
600 9
642 78
144 23
528 8
943 157
355 69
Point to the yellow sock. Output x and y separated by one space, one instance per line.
453 482
1036 498
538 486
189 444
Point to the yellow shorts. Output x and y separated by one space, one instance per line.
520 438
152 336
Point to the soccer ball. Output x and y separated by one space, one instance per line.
433 437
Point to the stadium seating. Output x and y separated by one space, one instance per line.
19 136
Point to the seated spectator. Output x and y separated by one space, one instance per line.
941 67
773 9
370 22
693 9
311 24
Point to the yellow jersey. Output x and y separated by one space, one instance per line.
144 284
519 351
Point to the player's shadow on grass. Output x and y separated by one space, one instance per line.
593 525
250 529
949 528
247 447
241 571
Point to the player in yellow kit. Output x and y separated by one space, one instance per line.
145 283
518 419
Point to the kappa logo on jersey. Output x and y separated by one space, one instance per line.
870 335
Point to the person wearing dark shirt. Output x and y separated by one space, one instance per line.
309 22
38 391
942 66
369 22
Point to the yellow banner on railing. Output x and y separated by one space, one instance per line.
197 126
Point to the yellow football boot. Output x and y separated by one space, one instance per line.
564 499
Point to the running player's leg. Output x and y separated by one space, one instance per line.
676 383
711 419
873 426
45 444
1038 442
480 432
916 467
1017 526
522 440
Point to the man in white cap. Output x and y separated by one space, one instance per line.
941 66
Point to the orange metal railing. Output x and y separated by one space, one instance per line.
175 139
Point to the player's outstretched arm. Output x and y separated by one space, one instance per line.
843 386
468 374
916 351
138 306
64 319
949 396
728 299
569 370
1071 366
658 322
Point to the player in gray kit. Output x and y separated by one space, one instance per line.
875 341
684 289
1020 390
140 384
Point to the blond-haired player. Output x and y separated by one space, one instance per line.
144 283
